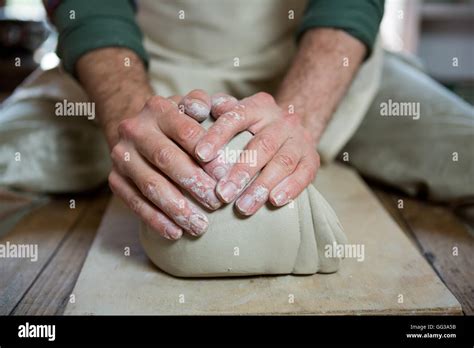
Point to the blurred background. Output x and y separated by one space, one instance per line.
438 32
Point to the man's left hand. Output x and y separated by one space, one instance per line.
285 152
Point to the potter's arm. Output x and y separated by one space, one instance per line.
320 74
335 36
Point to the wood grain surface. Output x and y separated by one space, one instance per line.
393 278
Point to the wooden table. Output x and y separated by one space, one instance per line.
64 236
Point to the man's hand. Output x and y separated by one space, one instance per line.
286 157
321 71
149 137
150 167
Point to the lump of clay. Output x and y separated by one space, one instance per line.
290 239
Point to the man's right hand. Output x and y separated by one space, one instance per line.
151 163
150 141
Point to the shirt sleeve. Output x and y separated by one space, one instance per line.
87 25
359 18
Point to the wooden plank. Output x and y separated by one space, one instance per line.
393 278
447 244
50 292
433 228
44 228
389 202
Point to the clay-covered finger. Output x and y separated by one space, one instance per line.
164 154
221 132
182 129
186 132
281 166
222 103
181 169
159 190
197 104
218 167
295 183
257 153
252 113
149 213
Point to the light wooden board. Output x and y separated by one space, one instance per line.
393 278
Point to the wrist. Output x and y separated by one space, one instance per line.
313 122
114 111
317 79
116 80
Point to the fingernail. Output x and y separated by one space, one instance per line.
173 233
281 198
212 200
245 203
204 151
243 178
199 224
219 172
197 108
227 191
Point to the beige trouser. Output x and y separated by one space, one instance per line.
42 152
432 156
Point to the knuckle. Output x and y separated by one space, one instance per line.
117 154
187 132
163 156
135 203
264 97
127 128
292 120
157 104
149 188
267 143
233 118
286 161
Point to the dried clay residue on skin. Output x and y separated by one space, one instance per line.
202 188
171 231
219 100
244 179
248 201
235 115
196 223
198 109
260 193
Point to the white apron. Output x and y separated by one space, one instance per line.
197 44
